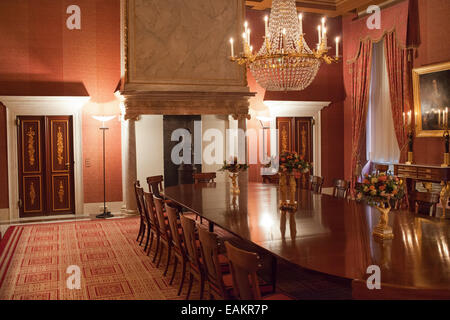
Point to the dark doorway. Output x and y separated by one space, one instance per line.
171 170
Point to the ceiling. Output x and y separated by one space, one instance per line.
331 8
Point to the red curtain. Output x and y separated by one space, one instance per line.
361 70
399 65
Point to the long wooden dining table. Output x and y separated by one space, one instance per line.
326 234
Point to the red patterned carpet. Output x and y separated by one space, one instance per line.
34 260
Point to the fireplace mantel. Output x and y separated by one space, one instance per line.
185 103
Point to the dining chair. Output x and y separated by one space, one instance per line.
194 267
315 184
165 238
340 188
219 283
155 232
244 266
145 217
381 168
396 292
426 203
177 244
141 232
271 179
155 185
204 177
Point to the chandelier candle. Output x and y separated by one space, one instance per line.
232 47
300 19
320 36
284 62
266 26
337 51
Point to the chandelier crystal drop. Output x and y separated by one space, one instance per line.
285 62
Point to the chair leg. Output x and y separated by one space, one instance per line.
202 286
191 279
148 237
175 264
143 234
151 242
183 274
158 241
140 231
160 255
169 253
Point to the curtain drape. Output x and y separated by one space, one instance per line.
399 64
382 144
361 71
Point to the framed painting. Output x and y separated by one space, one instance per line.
431 85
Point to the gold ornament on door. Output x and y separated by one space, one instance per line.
59 146
61 192
30 146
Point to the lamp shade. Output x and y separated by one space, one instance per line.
103 118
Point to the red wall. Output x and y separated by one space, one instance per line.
327 86
434 26
41 57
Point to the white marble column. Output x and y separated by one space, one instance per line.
129 167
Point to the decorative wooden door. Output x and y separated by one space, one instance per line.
60 193
46 185
295 134
304 146
32 177
285 126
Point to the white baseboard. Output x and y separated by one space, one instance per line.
96 208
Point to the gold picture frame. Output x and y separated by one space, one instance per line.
431 87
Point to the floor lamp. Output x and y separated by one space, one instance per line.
103 128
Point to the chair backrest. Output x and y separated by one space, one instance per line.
426 202
155 185
271 179
315 184
204 177
243 266
136 186
209 247
150 205
395 292
140 202
190 241
380 168
173 224
160 215
340 188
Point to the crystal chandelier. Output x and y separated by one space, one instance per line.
285 62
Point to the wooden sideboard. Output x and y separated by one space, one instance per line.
413 173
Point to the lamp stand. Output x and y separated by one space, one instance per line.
106 213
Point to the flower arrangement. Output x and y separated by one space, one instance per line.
292 162
233 166
380 188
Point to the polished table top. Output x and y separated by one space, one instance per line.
326 234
